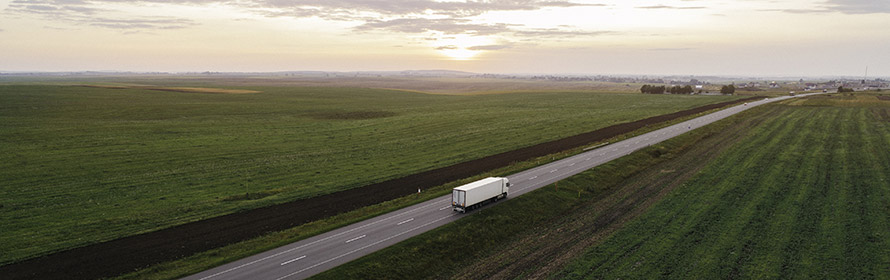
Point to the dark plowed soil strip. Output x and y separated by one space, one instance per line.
131 253
886 98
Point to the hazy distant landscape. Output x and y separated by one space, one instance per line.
449 82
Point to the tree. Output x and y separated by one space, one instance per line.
680 90
652 89
730 89
658 90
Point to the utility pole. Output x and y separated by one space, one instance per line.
866 75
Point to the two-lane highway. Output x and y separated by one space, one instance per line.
316 254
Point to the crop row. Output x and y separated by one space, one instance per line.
803 195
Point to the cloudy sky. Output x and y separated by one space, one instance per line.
695 37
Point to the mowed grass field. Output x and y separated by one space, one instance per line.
804 195
81 165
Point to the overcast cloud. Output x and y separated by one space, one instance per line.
326 9
423 25
85 13
311 32
860 6
841 6
670 7
339 8
489 47
403 16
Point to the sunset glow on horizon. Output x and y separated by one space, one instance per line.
696 37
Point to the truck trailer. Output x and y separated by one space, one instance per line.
476 194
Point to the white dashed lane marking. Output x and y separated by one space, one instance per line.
354 239
293 260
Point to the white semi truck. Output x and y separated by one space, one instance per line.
476 194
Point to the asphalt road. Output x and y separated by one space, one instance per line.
316 254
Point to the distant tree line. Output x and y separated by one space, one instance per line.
652 89
842 89
662 89
730 89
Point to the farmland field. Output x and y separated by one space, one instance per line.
806 194
777 191
82 164
528 236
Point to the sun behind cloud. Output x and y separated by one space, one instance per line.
457 53
461 47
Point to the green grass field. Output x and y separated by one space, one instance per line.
525 233
792 190
804 195
82 165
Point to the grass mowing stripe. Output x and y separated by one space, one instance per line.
735 196
861 212
735 243
877 198
779 183
878 144
751 252
828 246
604 259
784 224
848 228
821 210
805 229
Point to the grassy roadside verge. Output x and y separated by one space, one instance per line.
445 251
212 258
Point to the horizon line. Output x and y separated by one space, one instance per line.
428 72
